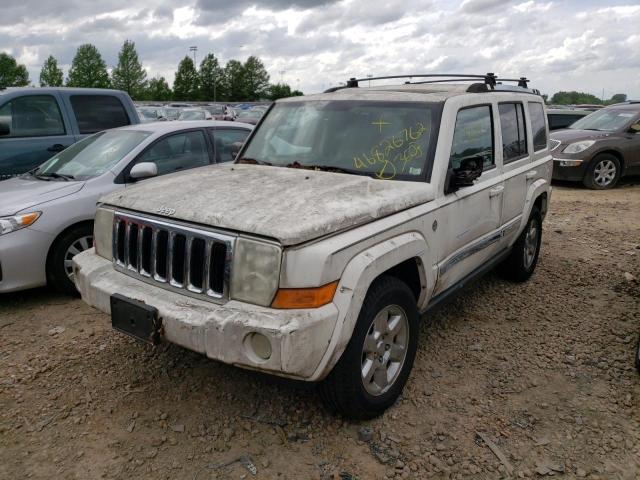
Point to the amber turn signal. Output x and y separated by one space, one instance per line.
305 297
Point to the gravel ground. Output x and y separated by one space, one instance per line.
534 379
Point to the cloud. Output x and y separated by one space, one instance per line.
574 44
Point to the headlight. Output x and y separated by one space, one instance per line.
11 224
578 146
102 232
256 271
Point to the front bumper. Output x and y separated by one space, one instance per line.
571 174
299 338
23 258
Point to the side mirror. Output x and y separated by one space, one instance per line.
635 128
235 148
144 170
4 129
469 170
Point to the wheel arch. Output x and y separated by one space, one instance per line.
612 152
406 257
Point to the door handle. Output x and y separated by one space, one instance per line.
494 192
56 148
530 174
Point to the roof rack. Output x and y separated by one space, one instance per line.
490 81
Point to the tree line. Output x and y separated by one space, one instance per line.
233 82
578 98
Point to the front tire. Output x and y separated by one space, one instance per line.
522 260
373 369
603 172
67 246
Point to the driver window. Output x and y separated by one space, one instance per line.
32 116
178 152
473 136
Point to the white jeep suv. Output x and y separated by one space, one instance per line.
345 216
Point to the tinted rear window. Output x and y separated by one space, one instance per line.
95 113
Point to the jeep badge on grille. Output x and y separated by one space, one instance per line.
162 210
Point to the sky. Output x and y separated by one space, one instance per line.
583 45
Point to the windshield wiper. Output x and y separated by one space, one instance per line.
66 178
326 168
253 161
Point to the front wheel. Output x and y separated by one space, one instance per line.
59 264
522 260
374 367
603 172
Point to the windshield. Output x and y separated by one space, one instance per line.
215 109
387 140
148 113
171 113
192 115
93 155
250 113
604 120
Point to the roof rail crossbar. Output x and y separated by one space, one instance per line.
490 79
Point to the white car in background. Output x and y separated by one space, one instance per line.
195 114
46 215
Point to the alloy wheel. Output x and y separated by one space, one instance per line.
604 173
80 245
385 349
531 243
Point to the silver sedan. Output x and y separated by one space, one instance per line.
46 215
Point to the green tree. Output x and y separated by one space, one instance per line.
129 75
574 98
185 86
617 98
256 79
12 74
51 75
158 90
88 69
281 90
211 79
234 79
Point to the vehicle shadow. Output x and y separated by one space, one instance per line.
32 297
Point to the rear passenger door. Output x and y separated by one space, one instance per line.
223 140
471 215
38 129
515 164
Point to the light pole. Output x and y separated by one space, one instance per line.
369 75
194 49
282 72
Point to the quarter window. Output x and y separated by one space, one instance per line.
95 113
223 140
178 152
514 138
32 116
538 126
473 136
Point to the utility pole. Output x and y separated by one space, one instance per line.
194 49
369 75
282 72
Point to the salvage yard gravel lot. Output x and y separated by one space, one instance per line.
536 379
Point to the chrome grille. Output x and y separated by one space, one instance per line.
190 260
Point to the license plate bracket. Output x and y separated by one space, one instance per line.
135 318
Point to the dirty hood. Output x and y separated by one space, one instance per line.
23 192
571 135
290 205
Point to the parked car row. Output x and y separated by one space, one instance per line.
187 111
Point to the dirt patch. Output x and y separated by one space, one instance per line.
544 370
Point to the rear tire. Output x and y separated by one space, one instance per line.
370 375
522 260
603 172
69 244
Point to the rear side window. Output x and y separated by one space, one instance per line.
223 140
95 113
557 121
514 138
32 116
473 136
538 126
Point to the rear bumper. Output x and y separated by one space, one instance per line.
23 258
299 338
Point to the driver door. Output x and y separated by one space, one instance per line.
471 215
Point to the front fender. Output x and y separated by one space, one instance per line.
356 279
